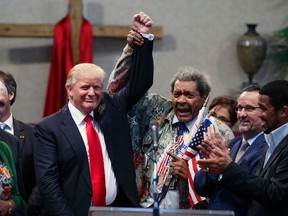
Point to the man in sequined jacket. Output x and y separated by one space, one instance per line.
189 88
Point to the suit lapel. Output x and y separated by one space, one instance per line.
261 163
74 137
19 133
254 147
107 125
258 142
234 150
274 155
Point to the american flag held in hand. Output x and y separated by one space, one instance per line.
191 154
192 149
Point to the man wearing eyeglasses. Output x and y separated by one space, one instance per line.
245 150
268 189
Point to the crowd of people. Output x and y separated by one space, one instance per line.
99 149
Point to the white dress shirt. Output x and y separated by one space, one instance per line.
110 179
273 139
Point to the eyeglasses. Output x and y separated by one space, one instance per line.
246 109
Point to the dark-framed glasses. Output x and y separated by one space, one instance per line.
246 108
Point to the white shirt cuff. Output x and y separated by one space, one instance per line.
150 37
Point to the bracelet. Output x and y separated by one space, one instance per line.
10 207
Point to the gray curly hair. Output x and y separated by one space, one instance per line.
187 74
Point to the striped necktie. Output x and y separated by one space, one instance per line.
241 150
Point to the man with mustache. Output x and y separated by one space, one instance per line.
250 125
268 189
189 88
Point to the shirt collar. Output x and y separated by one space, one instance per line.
189 125
9 121
275 137
76 114
252 139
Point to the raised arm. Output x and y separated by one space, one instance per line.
142 24
139 76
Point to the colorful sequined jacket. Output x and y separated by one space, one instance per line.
11 186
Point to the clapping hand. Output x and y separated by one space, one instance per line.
215 152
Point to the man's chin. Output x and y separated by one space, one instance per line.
243 129
184 118
90 108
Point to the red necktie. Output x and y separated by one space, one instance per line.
96 164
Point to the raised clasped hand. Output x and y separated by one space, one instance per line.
142 22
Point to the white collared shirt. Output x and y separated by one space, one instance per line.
273 139
9 123
251 140
110 179
172 198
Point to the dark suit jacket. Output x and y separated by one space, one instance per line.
25 135
269 189
220 198
61 162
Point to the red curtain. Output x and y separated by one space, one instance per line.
62 61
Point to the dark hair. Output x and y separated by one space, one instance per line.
277 91
251 88
187 74
229 103
10 83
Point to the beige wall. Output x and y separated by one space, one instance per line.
201 33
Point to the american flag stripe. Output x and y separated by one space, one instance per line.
191 156
166 159
163 167
189 153
162 164
193 169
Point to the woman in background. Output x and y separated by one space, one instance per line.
9 193
223 108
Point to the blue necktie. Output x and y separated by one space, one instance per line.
181 129
3 126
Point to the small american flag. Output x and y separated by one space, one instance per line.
191 156
192 149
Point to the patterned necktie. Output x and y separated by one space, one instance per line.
96 164
164 175
180 137
241 150
181 128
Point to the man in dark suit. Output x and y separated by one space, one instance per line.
62 148
248 115
268 189
24 132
